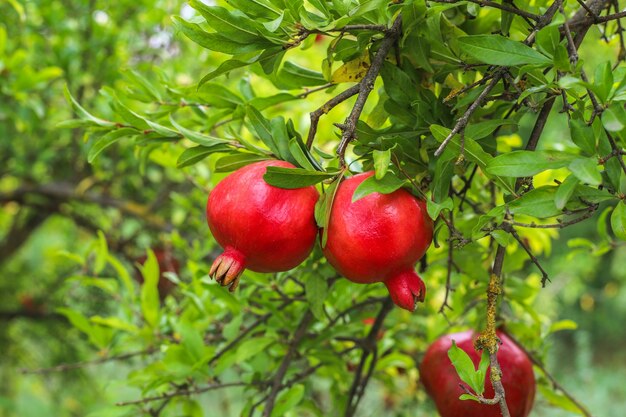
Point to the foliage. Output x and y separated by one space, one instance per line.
489 113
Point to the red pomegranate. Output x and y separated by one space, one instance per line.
167 263
379 237
261 227
442 382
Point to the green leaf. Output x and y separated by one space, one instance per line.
192 156
316 292
586 170
444 171
263 129
196 137
149 291
235 161
465 397
324 207
226 67
583 136
618 220
84 114
527 163
288 400
293 76
387 185
464 367
252 347
107 140
299 153
483 129
565 191
215 41
498 50
102 253
473 152
537 203
563 325
381 162
481 373
236 27
503 238
614 117
434 208
295 177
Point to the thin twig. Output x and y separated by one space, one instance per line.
325 108
551 378
284 366
262 319
359 383
463 120
488 339
544 274
505 7
183 392
365 87
78 365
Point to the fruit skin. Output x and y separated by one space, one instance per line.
379 238
261 227
167 263
442 382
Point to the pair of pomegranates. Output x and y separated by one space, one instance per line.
377 238
264 228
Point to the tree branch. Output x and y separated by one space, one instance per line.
284 366
488 339
503 6
365 87
69 366
359 383
183 392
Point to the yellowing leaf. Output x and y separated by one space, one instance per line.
352 71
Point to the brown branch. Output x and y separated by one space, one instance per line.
504 7
450 265
27 314
327 107
551 378
463 120
21 229
616 150
365 87
262 319
488 339
359 383
183 392
78 365
62 191
544 275
284 366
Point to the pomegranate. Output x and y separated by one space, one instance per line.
167 263
261 227
442 382
379 237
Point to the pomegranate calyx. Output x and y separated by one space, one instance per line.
227 268
406 289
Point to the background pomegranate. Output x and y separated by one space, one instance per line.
167 263
261 227
379 237
442 382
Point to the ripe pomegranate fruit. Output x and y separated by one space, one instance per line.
261 227
379 237
442 382
167 263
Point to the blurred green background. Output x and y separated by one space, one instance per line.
87 45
